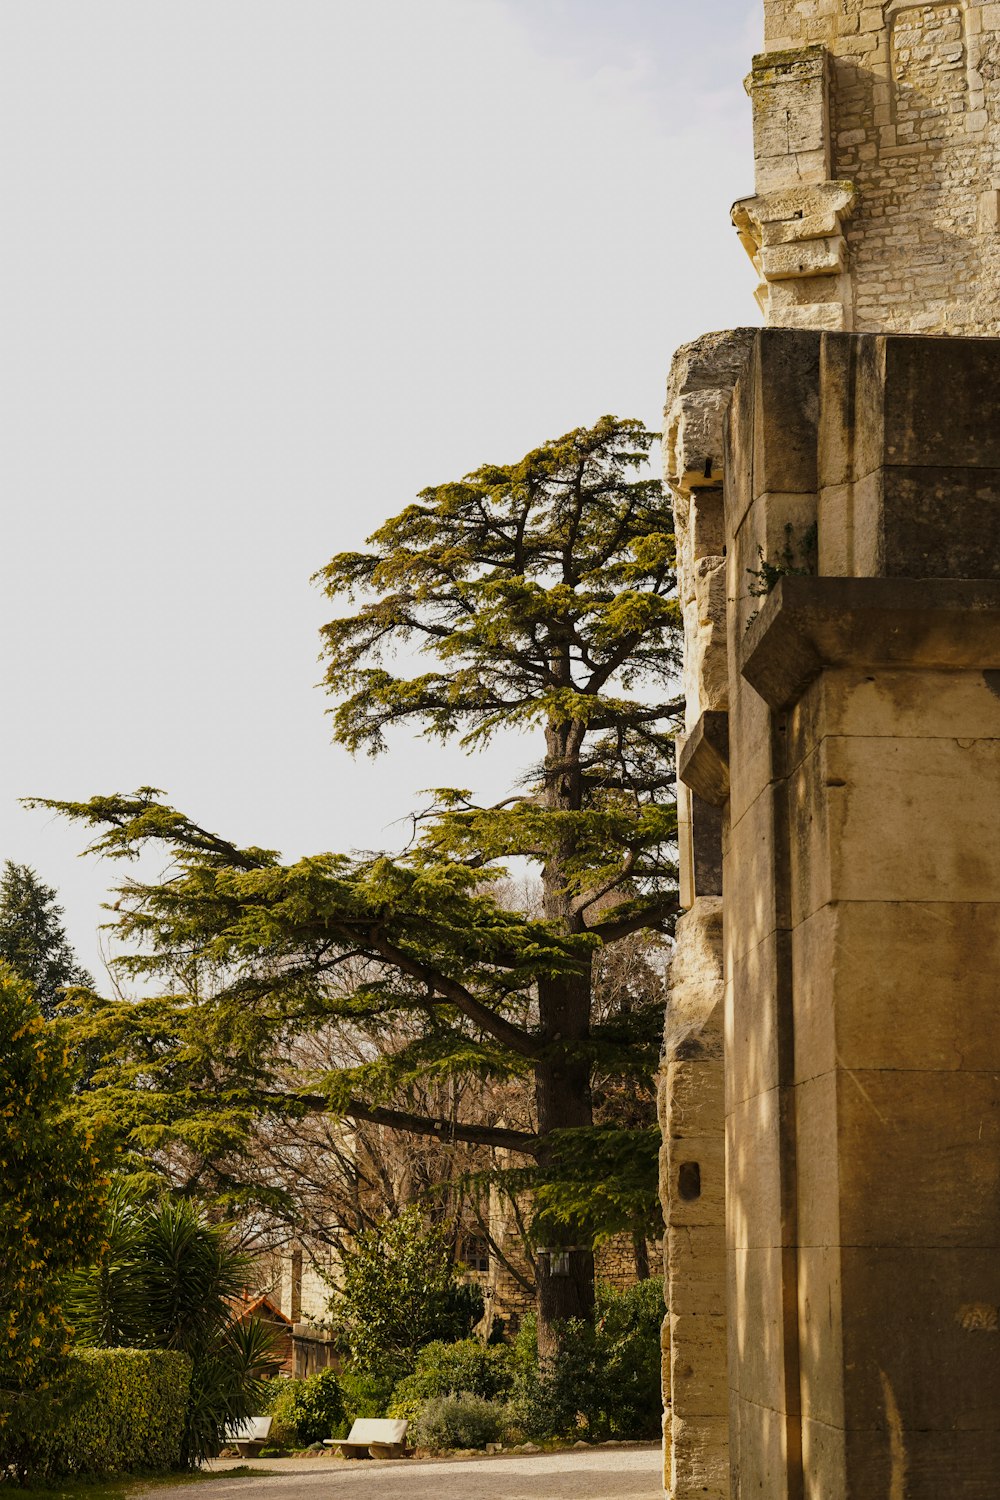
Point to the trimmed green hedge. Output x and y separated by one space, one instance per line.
121 1412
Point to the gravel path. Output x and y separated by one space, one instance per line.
597 1474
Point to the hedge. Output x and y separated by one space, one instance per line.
122 1412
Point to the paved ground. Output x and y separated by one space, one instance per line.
598 1474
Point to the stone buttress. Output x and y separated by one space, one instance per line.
833 1330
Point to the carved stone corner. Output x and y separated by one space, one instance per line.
807 624
795 239
703 760
702 377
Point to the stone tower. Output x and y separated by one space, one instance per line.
877 146
830 1094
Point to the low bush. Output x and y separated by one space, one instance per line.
277 1402
365 1395
443 1369
604 1381
459 1421
117 1411
400 1290
315 1409
331 1401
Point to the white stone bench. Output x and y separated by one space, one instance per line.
372 1437
249 1436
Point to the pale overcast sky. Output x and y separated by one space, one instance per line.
268 268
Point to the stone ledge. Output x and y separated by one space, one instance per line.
807 624
703 758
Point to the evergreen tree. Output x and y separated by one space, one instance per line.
51 1215
543 593
32 938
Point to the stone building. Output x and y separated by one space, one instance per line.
877 146
830 1095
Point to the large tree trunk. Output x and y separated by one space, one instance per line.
565 1275
562 1083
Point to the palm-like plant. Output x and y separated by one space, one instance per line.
105 1304
167 1281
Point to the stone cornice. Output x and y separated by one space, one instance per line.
808 624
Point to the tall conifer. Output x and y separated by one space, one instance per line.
542 596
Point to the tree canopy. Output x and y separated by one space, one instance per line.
51 1209
32 937
543 596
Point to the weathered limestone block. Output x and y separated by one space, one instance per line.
862 932
701 380
705 655
791 118
692 1189
793 229
901 102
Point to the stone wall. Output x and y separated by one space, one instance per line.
877 144
857 766
691 1083
839 577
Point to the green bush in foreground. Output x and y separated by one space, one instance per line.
400 1291
122 1411
167 1281
468 1366
459 1421
604 1381
304 1412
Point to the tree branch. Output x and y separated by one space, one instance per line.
587 899
502 1031
649 917
495 1137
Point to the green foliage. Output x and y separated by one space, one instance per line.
542 594
477 1369
606 1375
32 938
51 1210
597 1182
459 1421
226 1382
120 1411
796 559
365 1395
276 1397
499 573
166 1281
106 1301
400 1291
304 1412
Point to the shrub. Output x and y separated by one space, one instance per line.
400 1292
166 1281
460 1421
277 1399
365 1395
307 1411
604 1379
121 1411
628 1341
442 1369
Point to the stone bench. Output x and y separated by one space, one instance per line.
372 1437
248 1437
